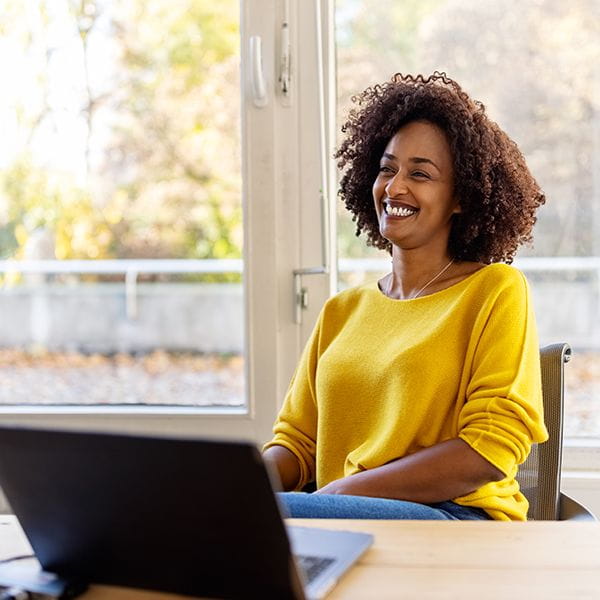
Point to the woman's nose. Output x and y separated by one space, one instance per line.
396 186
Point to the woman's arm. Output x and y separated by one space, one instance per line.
293 447
444 471
286 464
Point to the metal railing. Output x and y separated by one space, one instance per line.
132 268
235 265
129 268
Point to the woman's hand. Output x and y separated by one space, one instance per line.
353 485
340 486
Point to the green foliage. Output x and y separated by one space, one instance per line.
43 201
162 165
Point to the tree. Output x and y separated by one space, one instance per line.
151 106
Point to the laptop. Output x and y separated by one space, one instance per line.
190 516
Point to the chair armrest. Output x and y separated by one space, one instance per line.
571 510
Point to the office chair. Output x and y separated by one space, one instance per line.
539 475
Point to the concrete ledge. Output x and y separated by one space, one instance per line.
94 318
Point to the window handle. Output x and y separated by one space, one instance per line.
259 88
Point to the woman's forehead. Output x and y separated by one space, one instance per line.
420 138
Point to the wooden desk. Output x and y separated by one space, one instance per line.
427 560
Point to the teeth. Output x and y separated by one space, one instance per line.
398 211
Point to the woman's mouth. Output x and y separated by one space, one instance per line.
395 210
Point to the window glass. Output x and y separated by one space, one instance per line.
533 65
121 149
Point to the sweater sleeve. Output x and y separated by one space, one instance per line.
503 412
296 425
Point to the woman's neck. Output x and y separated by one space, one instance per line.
414 273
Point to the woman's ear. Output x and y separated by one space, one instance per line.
457 209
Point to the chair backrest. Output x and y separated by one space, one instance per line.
539 475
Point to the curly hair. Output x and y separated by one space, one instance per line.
497 194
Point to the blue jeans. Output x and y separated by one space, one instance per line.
336 506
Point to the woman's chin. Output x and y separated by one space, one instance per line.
392 236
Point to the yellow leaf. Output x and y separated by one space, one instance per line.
21 234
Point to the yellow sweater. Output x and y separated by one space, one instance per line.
380 379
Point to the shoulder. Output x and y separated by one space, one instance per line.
348 300
502 290
354 295
493 288
503 279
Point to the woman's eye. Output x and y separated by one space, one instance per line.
421 174
385 169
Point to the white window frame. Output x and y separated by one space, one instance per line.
284 144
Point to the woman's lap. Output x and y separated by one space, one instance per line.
333 506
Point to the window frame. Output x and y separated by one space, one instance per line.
281 182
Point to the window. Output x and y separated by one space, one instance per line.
120 153
129 142
549 105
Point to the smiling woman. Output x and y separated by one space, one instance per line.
420 394
414 197
471 203
521 61
490 178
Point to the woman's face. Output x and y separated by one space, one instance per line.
414 188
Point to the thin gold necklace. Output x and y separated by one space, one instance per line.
413 296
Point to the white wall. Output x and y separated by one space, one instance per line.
585 488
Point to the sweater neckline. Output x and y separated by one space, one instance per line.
375 285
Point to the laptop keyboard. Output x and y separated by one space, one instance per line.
312 566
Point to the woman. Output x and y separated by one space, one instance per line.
418 396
